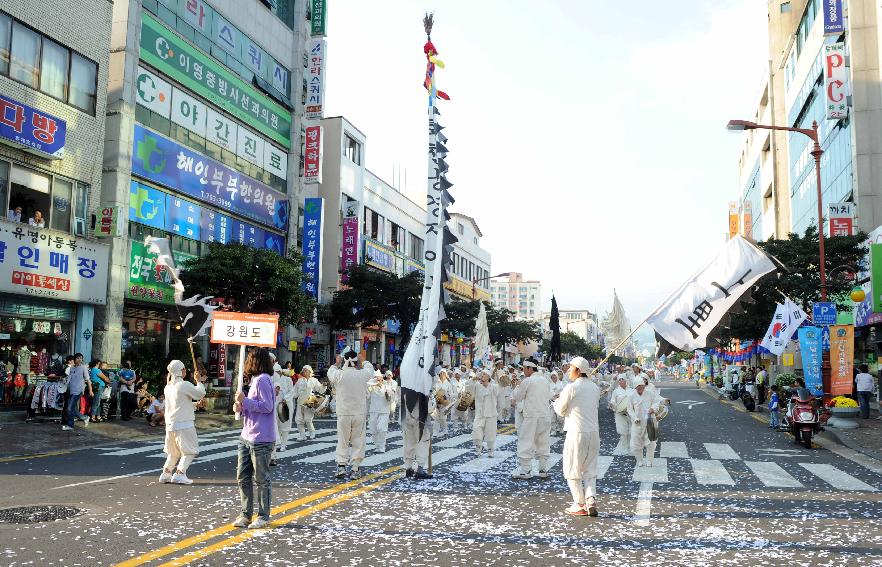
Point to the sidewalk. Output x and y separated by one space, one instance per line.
866 439
27 439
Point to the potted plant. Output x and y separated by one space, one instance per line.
844 410
785 380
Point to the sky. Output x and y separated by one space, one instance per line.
587 137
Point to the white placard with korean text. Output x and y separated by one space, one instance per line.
315 79
249 146
835 77
221 130
248 329
189 112
275 160
52 264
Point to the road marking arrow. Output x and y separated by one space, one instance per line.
691 403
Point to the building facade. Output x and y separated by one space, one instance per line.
54 66
579 321
522 297
470 275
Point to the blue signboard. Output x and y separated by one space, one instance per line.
247 234
173 165
312 245
182 217
834 24
147 205
216 227
274 242
376 255
32 130
824 313
810 346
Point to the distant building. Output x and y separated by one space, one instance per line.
522 297
579 321
470 261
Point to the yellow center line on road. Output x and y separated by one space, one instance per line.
37 456
210 534
248 534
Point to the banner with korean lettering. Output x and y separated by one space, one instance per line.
841 217
313 212
835 77
733 218
317 11
349 247
315 80
841 359
173 56
834 22
312 155
32 130
693 313
149 282
811 348
247 329
378 255
47 263
173 165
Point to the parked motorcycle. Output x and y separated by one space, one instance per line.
802 418
748 397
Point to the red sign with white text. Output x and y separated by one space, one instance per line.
312 155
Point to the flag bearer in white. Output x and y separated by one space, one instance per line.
578 404
641 405
284 388
484 427
417 440
533 436
618 403
350 376
304 388
381 392
181 443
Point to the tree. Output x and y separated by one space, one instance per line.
572 344
502 327
801 279
251 280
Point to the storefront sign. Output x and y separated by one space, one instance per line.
53 264
787 359
747 219
378 256
315 80
174 57
876 277
168 163
834 24
841 219
841 359
217 361
108 222
149 282
317 9
312 157
183 217
733 219
349 246
313 212
32 130
247 329
835 76
147 205
810 347
152 92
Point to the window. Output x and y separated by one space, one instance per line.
59 219
351 149
416 247
24 66
460 228
81 208
5 35
53 70
397 237
83 83
28 196
476 241
373 225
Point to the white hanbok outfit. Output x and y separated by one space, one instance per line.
285 394
623 422
638 413
416 439
556 420
441 413
351 385
394 410
381 393
578 403
304 388
484 427
534 441
181 442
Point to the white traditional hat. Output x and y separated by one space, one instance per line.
529 364
176 368
581 364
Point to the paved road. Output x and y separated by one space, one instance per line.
725 490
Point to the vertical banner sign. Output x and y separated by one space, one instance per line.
349 247
108 222
810 346
733 218
876 276
315 79
841 359
747 222
834 24
312 155
313 209
841 219
835 92
317 10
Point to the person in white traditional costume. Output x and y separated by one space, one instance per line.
533 436
618 403
381 393
517 406
557 387
306 387
445 386
181 442
641 405
396 395
285 407
578 403
484 427
468 385
350 376
417 436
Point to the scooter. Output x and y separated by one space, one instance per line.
802 418
749 396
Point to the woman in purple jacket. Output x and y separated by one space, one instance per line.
257 440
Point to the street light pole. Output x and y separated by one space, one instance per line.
476 280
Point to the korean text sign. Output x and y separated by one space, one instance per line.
876 277
171 55
168 163
53 264
349 246
834 23
841 359
835 76
841 219
318 8
313 212
149 282
315 79
32 130
810 346
312 155
247 329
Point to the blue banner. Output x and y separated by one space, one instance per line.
377 255
147 205
834 24
216 227
810 347
312 245
33 130
173 165
183 217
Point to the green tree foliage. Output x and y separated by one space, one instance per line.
676 358
572 344
503 329
251 280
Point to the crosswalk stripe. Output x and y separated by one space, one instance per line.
553 459
721 452
503 440
377 458
658 472
454 441
484 463
621 451
772 475
305 449
446 455
603 463
710 472
838 479
202 448
675 449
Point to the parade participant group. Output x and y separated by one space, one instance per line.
540 401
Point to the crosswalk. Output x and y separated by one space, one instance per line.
712 465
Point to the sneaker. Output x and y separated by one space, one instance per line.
341 471
241 522
592 507
519 474
649 463
180 478
165 477
86 421
576 510
258 523
354 473
542 474
490 454
66 428
421 474
312 434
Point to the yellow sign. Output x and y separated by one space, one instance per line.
292 346
733 219
787 359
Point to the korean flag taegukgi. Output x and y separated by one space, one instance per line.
698 309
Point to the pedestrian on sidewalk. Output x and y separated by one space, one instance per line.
181 442
259 436
773 408
128 398
77 384
100 382
762 382
865 383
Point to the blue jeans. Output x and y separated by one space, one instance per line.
253 475
864 401
95 410
773 419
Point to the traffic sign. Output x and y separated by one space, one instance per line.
824 313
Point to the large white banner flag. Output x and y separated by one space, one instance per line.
692 313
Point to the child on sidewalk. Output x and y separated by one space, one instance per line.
773 408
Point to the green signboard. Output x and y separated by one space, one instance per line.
318 17
149 282
876 276
168 53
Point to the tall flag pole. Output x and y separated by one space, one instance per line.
421 356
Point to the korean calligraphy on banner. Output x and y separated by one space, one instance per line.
810 347
313 212
834 23
148 281
315 80
247 329
835 76
317 9
841 359
312 159
48 263
841 219
168 163
32 130
733 218
349 246
171 55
